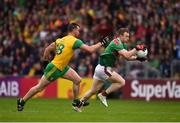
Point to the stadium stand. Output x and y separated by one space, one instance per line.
28 26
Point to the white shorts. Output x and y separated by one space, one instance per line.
102 72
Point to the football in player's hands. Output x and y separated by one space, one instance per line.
142 53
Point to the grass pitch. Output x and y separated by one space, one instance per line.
60 110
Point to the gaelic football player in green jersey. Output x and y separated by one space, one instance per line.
104 72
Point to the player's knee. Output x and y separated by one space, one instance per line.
92 91
39 88
120 83
77 81
123 82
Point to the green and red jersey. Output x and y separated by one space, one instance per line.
110 55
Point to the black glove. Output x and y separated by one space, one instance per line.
140 47
141 59
105 41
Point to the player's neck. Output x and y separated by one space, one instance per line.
122 40
71 34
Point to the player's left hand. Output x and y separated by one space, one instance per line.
105 41
140 47
141 59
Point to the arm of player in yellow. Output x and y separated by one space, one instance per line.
127 54
91 48
47 51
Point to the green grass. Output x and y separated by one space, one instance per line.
60 110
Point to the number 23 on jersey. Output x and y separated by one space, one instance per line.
59 49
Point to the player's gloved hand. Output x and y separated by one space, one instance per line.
105 41
140 47
141 59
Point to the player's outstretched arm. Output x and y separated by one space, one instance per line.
131 54
91 48
127 54
132 58
104 42
47 51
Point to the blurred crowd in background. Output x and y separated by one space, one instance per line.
28 26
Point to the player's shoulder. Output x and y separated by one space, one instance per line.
58 40
70 37
66 39
116 42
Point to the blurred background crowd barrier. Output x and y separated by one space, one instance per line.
134 89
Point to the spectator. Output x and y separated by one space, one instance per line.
26 27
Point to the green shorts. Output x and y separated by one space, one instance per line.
51 72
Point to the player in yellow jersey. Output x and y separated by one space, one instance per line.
58 67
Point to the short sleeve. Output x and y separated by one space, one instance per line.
125 46
119 47
78 43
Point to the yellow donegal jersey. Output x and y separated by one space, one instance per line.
64 51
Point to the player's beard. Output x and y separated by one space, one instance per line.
126 39
77 34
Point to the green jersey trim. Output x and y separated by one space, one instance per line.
78 43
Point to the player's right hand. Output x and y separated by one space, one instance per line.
140 47
46 57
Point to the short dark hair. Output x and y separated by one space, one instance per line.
121 31
72 26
